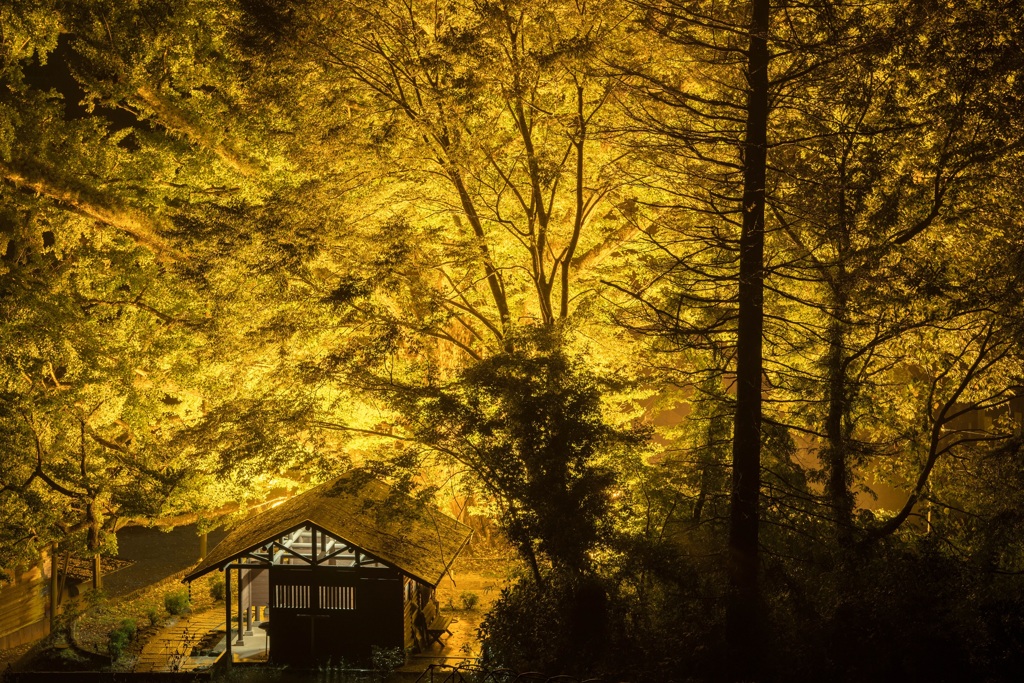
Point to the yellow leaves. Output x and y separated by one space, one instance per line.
142 227
30 27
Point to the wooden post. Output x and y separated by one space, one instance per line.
97 576
241 640
314 598
247 594
54 588
227 616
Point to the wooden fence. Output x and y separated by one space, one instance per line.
23 608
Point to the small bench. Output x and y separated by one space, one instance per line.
436 630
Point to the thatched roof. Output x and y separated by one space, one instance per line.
392 527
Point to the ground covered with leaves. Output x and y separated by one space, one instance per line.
98 633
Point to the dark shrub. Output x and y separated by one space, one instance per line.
176 603
217 591
120 637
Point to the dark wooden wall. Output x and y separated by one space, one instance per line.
304 632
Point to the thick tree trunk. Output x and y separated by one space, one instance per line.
577 229
93 543
838 486
743 612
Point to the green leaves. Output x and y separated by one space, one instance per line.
529 424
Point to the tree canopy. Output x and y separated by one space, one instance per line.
672 289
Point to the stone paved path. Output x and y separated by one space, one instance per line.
170 649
